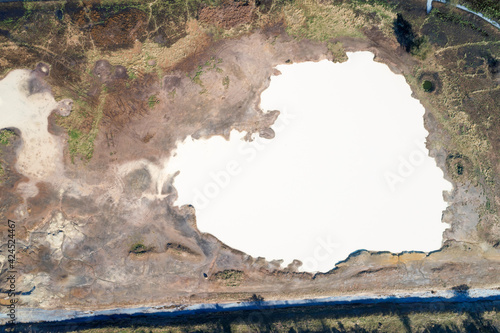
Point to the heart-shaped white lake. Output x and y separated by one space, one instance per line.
347 170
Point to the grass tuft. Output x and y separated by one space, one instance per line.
5 136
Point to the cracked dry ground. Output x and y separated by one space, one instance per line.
97 237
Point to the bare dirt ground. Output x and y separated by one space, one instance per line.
102 237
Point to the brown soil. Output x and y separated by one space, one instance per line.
117 31
127 102
229 15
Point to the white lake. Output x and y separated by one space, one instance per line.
347 170
40 155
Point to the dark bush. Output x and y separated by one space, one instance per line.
138 248
59 14
256 298
493 65
404 33
428 86
462 288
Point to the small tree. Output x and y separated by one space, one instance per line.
404 33
256 298
461 289
428 86
138 248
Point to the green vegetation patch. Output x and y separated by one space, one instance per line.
312 19
152 101
428 86
209 65
490 8
82 126
225 82
112 7
139 248
132 75
322 20
74 134
196 78
5 137
231 277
